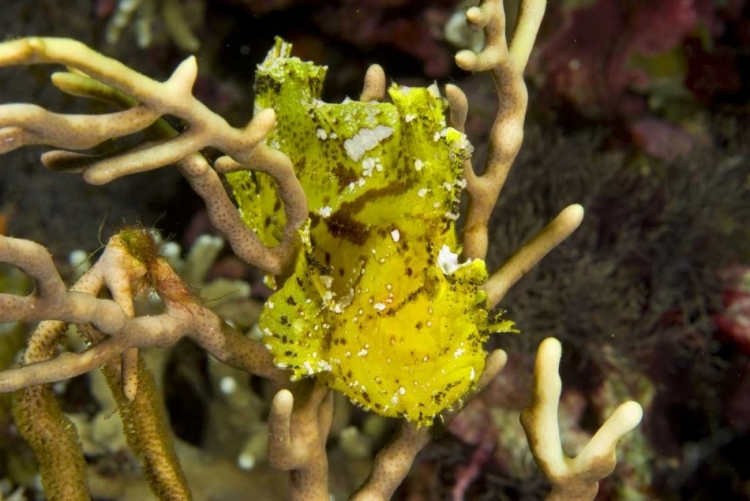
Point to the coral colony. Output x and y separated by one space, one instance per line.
350 209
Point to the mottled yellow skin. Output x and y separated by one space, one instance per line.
375 308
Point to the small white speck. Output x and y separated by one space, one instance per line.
368 164
227 385
422 192
78 258
418 164
325 211
447 261
379 306
321 134
246 461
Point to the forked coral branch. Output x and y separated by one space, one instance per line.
298 428
22 124
506 63
183 316
571 478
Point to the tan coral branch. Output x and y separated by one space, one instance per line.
298 428
374 86
506 136
530 254
572 479
26 124
183 317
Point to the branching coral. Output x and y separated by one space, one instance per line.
350 207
